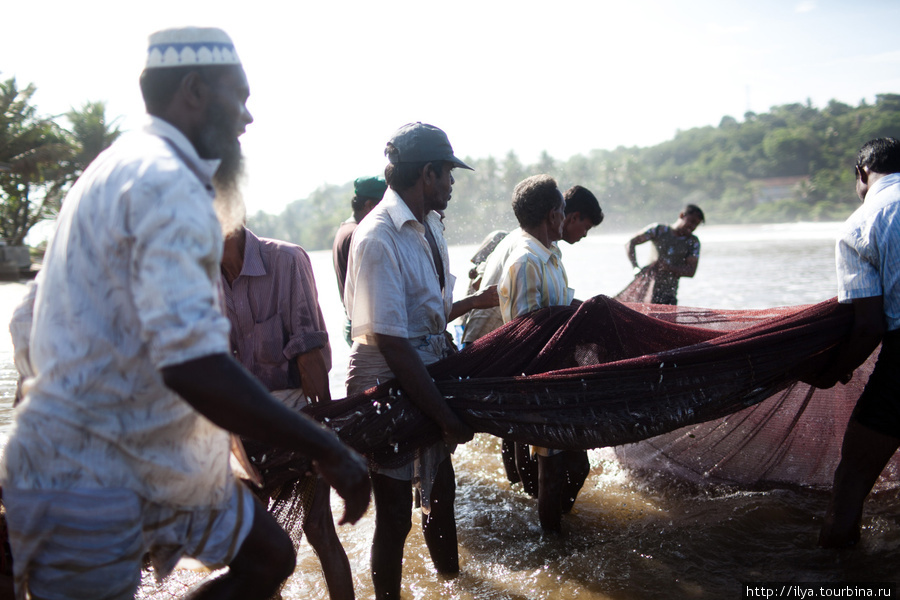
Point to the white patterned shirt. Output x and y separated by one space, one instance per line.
533 277
868 250
128 286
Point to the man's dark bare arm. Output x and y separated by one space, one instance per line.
409 369
225 393
630 247
486 298
868 329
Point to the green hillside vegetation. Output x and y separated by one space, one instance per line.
794 163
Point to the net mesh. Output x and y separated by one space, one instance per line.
607 373
289 484
711 396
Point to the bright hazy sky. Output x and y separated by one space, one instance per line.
331 80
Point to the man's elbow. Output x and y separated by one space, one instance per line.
175 377
183 377
872 329
868 318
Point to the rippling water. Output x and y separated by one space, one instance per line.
628 537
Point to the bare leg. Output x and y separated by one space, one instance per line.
265 560
508 454
551 475
864 454
528 469
578 467
393 520
439 526
319 530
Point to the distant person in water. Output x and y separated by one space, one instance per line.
676 253
868 275
367 193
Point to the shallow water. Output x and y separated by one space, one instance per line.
628 537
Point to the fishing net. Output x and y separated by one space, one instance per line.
707 395
793 437
607 373
640 289
288 485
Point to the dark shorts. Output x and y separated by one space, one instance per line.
878 407
665 291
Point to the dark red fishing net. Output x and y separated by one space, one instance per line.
608 373
793 437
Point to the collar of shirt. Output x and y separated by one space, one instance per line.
882 183
544 253
400 213
253 263
202 167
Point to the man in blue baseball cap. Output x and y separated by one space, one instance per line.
399 296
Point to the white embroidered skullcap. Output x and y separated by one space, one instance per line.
190 46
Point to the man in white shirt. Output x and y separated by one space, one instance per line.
868 274
120 447
399 297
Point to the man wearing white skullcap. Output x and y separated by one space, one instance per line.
120 448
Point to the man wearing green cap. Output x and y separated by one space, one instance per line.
368 192
399 296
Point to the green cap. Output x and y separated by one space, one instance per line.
370 187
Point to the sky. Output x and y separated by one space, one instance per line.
331 81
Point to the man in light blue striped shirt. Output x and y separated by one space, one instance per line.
533 274
868 270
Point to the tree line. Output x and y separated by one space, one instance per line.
730 170
806 152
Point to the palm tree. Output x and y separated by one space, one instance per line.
39 160
31 150
90 134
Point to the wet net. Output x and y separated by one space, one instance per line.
640 289
608 373
711 396
793 437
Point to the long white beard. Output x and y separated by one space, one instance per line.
230 209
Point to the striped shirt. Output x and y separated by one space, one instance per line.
533 278
868 250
